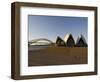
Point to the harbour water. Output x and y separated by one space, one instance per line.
37 47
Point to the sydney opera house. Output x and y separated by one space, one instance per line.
68 41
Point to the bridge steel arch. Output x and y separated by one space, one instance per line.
36 40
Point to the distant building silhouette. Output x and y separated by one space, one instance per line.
81 42
69 40
60 42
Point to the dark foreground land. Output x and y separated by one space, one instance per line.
57 56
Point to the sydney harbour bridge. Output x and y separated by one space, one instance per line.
40 41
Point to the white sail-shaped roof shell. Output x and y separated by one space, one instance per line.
81 36
66 37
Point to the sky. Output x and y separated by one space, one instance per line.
50 27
